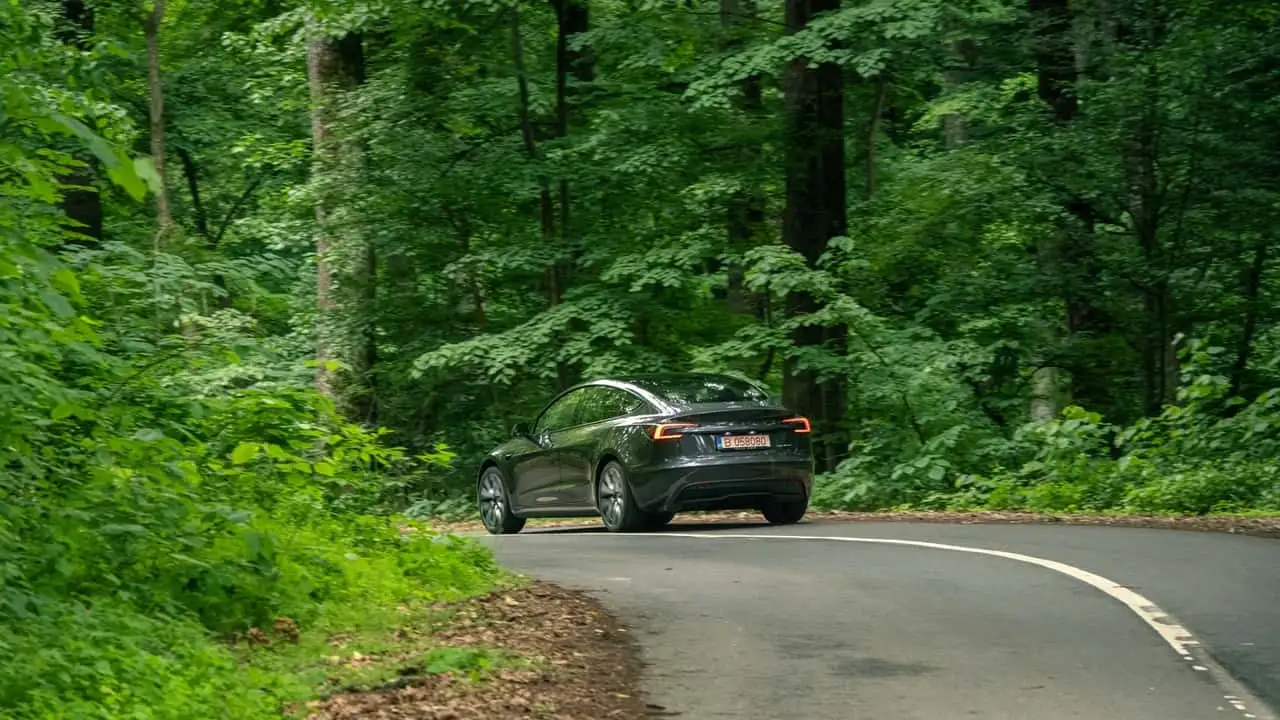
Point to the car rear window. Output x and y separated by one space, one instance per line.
690 390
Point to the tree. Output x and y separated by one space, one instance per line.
155 85
815 213
81 201
334 66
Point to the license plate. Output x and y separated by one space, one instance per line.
742 442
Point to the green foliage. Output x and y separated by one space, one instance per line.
1066 308
152 504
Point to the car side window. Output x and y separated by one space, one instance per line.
561 414
606 403
622 403
590 409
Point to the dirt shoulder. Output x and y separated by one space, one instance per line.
1261 525
546 652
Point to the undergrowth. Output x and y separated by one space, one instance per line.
1211 453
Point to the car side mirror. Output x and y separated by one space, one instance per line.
521 430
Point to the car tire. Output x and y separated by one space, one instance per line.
785 513
494 504
614 501
658 520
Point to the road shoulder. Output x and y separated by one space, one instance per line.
546 652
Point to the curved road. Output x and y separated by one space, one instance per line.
744 622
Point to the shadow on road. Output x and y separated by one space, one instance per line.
678 527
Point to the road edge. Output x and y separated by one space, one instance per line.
1263 526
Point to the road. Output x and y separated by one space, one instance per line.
755 622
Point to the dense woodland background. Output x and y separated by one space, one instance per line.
275 272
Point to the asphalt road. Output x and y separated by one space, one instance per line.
765 627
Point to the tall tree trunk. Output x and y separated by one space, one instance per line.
80 200
1069 257
546 206
1252 288
572 18
361 276
1159 358
368 406
873 132
164 216
320 69
815 213
960 69
746 208
335 66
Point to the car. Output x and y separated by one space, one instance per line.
638 450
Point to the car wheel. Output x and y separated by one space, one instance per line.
495 505
613 499
785 513
658 520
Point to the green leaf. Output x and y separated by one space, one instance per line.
122 171
324 468
244 452
148 435
65 280
57 303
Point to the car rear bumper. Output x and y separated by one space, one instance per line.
740 485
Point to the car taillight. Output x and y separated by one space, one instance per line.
801 423
670 431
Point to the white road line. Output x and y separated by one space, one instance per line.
1178 637
1164 625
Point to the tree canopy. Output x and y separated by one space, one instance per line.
276 273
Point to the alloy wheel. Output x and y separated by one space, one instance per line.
495 511
612 496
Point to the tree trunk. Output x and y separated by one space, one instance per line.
1070 257
572 18
1159 359
746 208
545 204
547 223
164 216
190 171
334 66
1046 394
1252 288
873 133
960 69
80 201
1055 58
361 302
815 213
368 404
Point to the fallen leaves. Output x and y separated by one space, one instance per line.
581 665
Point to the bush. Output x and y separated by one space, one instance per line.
1208 454
136 556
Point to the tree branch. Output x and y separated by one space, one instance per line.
193 185
235 209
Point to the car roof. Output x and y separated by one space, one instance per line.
650 385
658 379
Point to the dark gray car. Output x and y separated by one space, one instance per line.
638 450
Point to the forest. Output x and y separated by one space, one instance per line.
275 275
